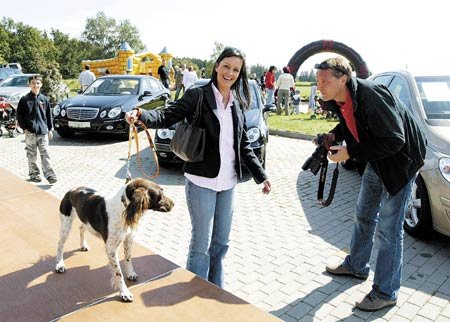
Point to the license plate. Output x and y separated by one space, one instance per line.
79 125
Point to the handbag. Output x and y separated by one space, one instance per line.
188 142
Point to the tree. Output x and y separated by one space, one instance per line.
106 35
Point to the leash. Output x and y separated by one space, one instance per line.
323 177
133 133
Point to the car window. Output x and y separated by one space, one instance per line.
399 88
155 85
383 79
435 96
113 86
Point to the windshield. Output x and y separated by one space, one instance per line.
21 81
435 96
113 86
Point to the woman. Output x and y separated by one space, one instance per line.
210 183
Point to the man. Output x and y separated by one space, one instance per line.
163 73
86 78
35 118
378 129
178 81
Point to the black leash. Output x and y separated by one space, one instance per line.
322 179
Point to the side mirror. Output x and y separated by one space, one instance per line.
269 108
146 93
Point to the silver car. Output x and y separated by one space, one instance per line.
14 87
428 98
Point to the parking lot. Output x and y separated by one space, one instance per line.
280 243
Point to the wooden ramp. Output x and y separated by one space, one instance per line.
31 291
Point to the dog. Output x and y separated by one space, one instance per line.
112 218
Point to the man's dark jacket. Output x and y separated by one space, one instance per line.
209 167
389 137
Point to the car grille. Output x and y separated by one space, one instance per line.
82 113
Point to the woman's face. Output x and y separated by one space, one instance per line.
228 71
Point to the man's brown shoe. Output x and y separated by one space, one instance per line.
371 303
340 270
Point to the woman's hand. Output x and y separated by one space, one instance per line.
132 116
266 187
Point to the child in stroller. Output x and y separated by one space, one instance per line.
8 121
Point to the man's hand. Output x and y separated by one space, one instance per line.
340 155
50 135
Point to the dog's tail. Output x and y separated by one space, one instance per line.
65 207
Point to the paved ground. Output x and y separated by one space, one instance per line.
280 243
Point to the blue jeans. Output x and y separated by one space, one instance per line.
211 215
376 208
270 93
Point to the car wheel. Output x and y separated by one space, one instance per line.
65 133
418 222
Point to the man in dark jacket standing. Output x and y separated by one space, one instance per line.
378 129
35 118
163 73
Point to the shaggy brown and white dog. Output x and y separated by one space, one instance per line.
112 218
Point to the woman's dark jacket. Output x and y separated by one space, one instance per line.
389 137
210 165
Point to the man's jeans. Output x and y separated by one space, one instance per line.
34 142
211 215
376 207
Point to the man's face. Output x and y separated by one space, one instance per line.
35 85
330 86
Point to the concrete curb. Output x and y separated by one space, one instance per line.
293 135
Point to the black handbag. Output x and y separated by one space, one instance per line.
188 142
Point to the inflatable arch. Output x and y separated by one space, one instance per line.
320 46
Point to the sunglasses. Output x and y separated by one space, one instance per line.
325 65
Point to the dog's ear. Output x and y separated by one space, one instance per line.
139 203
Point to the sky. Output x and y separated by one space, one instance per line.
387 34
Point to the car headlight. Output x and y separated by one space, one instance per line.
15 98
165 133
103 114
114 112
253 134
63 112
56 110
444 168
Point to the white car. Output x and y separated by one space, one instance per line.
14 87
428 98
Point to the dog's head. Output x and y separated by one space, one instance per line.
142 195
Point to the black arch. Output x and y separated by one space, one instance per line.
320 46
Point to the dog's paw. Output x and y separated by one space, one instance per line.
132 276
84 249
60 269
126 296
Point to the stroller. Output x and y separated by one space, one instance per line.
8 121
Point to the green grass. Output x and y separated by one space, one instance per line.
301 123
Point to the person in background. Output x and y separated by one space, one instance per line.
380 130
178 81
210 184
203 72
285 83
86 78
312 99
270 85
163 73
35 118
191 77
